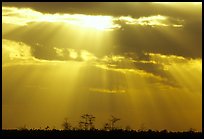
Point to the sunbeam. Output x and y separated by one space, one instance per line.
139 62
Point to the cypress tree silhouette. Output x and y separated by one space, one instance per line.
113 121
66 125
107 127
23 128
47 128
87 122
111 124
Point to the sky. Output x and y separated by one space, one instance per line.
140 62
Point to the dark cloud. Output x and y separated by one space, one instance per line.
149 39
130 38
52 35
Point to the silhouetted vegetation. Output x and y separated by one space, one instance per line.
87 122
111 124
118 133
66 125
87 129
23 128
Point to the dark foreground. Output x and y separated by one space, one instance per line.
70 134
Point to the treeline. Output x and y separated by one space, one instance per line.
86 129
87 122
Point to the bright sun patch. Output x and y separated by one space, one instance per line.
95 22
23 16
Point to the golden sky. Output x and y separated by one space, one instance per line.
141 62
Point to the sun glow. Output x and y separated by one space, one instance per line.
73 54
23 16
95 22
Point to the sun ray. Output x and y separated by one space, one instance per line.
140 62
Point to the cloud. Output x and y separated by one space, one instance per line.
16 53
134 71
16 50
73 54
23 16
156 20
146 45
155 33
135 9
86 56
19 53
154 67
41 52
59 51
106 90
160 73
157 68
12 15
178 3
166 59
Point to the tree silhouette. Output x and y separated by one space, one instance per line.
111 124
87 122
113 121
128 128
191 130
47 128
23 128
66 125
107 127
